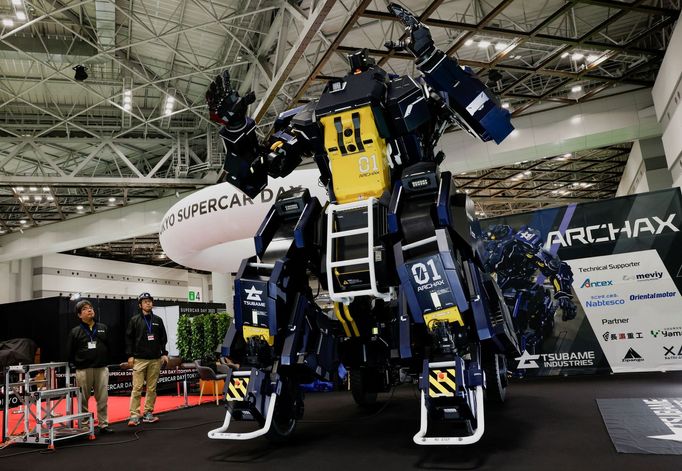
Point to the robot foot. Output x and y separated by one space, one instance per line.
272 401
454 395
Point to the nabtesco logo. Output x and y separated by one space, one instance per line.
595 284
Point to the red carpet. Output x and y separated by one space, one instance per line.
118 409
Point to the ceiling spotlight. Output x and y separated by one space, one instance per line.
7 22
19 189
23 221
21 15
37 198
501 46
564 55
80 73
567 155
79 207
46 188
25 198
126 106
32 188
576 89
483 44
50 198
468 42
577 56
111 200
505 105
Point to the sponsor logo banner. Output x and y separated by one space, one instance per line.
631 321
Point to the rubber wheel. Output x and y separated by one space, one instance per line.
288 408
362 386
495 366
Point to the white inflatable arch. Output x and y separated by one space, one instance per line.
213 228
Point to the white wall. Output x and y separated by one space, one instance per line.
667 96
596 123
59 274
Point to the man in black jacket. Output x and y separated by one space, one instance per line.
146 349
88 348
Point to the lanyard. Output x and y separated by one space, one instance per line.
92 334
149 324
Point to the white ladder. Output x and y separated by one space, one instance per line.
347 297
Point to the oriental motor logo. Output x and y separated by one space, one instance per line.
555 360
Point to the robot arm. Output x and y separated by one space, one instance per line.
466 100
247 163
561 276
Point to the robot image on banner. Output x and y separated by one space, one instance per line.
394 248
516 258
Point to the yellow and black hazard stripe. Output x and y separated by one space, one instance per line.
442 383
236 390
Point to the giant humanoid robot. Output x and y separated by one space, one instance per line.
394 248
516 257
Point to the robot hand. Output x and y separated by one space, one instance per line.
276 159
420 43
566 305
224 103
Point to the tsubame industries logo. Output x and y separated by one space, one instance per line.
555 360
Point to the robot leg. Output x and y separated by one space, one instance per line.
450 296
277 337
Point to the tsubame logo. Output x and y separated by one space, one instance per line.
595 284
555 360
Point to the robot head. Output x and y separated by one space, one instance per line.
529 238
360 61
499 232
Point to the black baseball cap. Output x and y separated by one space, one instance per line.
144 296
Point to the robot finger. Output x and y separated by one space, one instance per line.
225 78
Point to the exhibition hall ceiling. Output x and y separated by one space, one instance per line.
136 127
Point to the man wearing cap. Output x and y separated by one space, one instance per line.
146 350
88 349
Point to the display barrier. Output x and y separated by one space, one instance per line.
627 270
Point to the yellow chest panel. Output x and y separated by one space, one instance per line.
357 155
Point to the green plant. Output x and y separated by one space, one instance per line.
185 337
197 342
223 324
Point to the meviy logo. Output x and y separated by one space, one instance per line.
595 284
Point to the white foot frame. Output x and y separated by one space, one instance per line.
421 439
